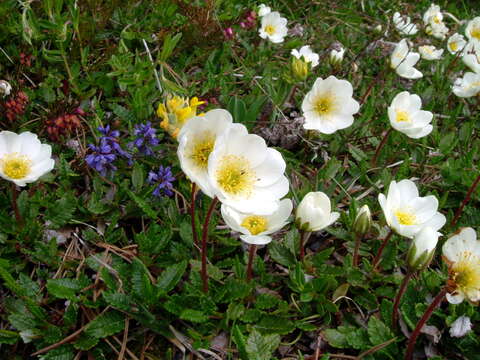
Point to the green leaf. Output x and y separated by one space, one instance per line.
193 316
142 204
106 324
8 337
138 176
61 211
64 352
281 254
378 332
170 277
64 288
261 347
169 45
239 340
141 284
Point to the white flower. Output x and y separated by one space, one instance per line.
196 141
256 228
456 43
472 31
404 25
437 29
273 27
422 248
403 61
460 327
308 55
23 158
246 174
471 57
406 116
5 88
462 254
429 52
314 212
336 56
433 14
467 86
263 10
406 212
329 106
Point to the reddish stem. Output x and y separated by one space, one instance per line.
413 338
192 213
377 258
358 240
401 291
304 235
204 273
18 217
380 146
251 255
465 201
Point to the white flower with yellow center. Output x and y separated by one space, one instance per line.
307 54
471 56
329 106
196 141
406 212
429 52
456 43
273 27
433 14
437 30
263 10
403 61
23 158
406 116
314 212
472 31
404 25
256 228
462 254
468 85
433 19
245 174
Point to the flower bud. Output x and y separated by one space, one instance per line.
422 248
336 56
300 68
5 88
314 212
363 221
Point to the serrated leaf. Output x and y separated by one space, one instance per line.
170 277
239 340
8 337
261 347
378 332
193 316
61 211
106 324
281 254
64 288
142 204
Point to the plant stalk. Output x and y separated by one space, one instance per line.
304 235
192 213
465 201
398 297
18 217
413 338
358 240
380 146
252 250
378 257
204 273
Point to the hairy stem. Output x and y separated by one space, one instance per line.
204 273
465 201
378 257
304 235
251 255
358 240
192 213
413 338
18 217
380 147
398 297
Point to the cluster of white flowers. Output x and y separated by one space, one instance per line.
404 25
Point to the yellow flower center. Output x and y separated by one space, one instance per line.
466 272
475 33
436 19
235 176
454 46
255 224
324 104
202 149
405 218
270 29
402 116
16 166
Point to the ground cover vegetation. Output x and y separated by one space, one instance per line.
234 180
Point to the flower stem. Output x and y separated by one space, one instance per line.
192 213
251 255
465 201
377 258
413 338
304 235
380 146
398 297
358 240
18 217
204 244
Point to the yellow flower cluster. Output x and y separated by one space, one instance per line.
176 111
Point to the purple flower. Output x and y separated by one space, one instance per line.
101 159
146 138
163 178
110 138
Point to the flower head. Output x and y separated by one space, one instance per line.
256 228
406 212
314 212
433 14
456 43
406 116
146 138
462 254
422 248
273 27
163 179
404 25
175 113
245 174
467 86
363 221
306 54
403 61
110 138
336 54
461 326
472 31
429 52
101 158
433 19
23 158
471 56
329 106
263 10
5 88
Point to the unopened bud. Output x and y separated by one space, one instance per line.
336 56
5 88
300 68
422 249
363 221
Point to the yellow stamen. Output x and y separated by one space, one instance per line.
402 116
16 166
475 33
466 272
255 224
270 29
235 176
325 104
454 46
405 218
202 149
